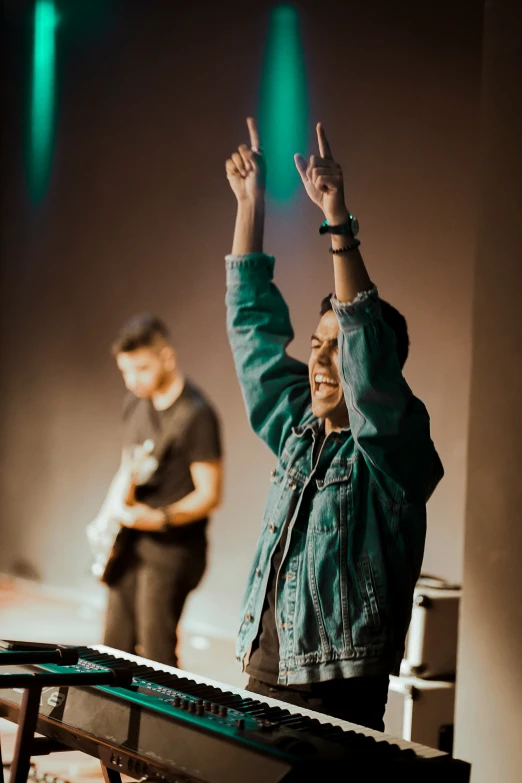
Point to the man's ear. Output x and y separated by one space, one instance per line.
168 354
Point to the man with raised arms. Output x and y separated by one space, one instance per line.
329 595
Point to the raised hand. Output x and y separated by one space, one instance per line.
246 168
323 180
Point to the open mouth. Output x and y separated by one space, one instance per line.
324 386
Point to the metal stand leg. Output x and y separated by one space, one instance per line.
110 775
25 735
1 763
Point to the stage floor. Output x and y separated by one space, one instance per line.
28 612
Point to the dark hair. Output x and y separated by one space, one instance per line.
140 331
393 318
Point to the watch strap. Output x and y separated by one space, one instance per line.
341 229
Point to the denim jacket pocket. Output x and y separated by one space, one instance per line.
330 507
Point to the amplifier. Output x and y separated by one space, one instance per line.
421 711
431 643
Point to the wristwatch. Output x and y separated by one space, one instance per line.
351 227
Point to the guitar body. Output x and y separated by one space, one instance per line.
117 557
109 541
108 538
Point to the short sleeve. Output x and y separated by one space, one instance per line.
203 439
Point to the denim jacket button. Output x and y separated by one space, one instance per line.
292 485
271 527
258 572
249 617
272 473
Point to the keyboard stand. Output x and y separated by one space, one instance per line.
26 744
25 735
110 775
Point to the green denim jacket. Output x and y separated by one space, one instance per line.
358 516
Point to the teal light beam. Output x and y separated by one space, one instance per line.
42 97
283 115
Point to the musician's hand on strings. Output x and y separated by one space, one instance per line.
246 168
323 180
139 516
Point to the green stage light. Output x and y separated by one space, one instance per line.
284 102
42 97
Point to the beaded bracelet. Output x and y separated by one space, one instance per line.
355 244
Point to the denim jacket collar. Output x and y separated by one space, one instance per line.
315 427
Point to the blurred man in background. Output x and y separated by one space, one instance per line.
168 484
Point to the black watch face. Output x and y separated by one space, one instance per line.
355 226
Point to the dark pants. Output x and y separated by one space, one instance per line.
146 602
360 700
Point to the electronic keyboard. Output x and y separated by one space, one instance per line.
173 726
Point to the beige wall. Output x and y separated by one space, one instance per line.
489 695
138 216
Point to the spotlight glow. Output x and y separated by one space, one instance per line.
42 97
284 102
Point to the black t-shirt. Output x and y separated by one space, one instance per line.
263 663
186 432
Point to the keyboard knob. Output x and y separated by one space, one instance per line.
240 723
223 712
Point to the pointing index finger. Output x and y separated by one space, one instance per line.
254 134
324 146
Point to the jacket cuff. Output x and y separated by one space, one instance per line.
364 309
249 268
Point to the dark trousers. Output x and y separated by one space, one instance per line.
360 700
146 602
